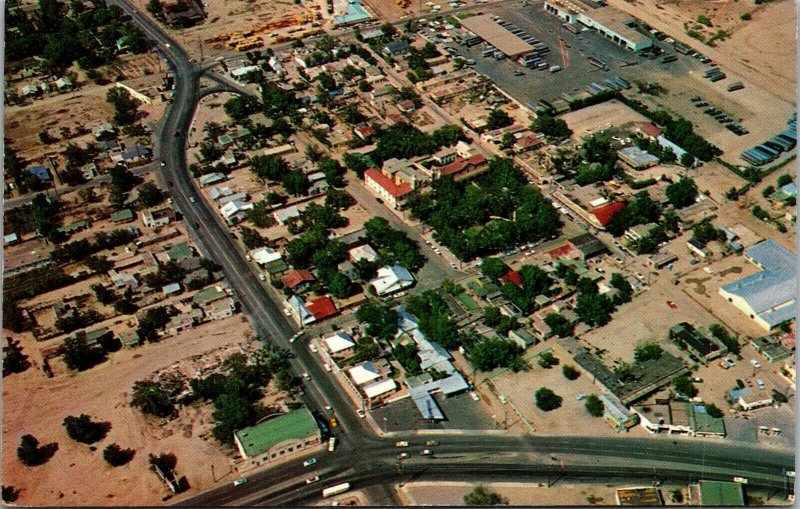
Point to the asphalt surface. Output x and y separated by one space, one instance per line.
363 458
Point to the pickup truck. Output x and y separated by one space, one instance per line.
401 444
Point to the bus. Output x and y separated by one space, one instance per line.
335 490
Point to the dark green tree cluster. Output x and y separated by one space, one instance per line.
153 320
592 308
682 193
594 406
261 215
82 250
31 454
84 430
241 107
559 324
126 108
554 128
393 245
619 282
116 456
683 385
40 216
78 355
492 353
547 360
407 356
641 210
680 131
482 496
535 282
405 141
498 119
599 162
648 352
547 400
381 320
722 334
14 361
704 232
495 211
570 372
151 398
434 318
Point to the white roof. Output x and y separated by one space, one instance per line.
219 192
283 215
11 237
364 252
241 71
339 341
392 279
264 255
598 202
375 389
363 373
233 207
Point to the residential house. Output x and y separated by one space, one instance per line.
64 84
364 131
204 298
464 150
40 172
705 348
184 321
132 154
697 248
340 344
461 168
264 255
123 216
364 373
321 308
403 171
235 211
406 106
635 233
298 281
391 279
522 337
103 131
217 193
158 217
393 194
396 48
284 215
364 252
221 309
211 178
444 155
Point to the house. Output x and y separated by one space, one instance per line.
321 308
395 48
204 298
211 178
123 280
379 389
705 348
639 497
403 171
393 194
40 172
406 106
221 309
64 84
637 158
89 171
754 400
179 251
679 418
587 246
461 167
697 247
616 414
131 154
284 215
391 279
364 373
240 73
30 90
340 344
463 149
129 338
298 280
605 213
10 239
122 216
298 311
522 337
184 321
444 155
103 131
526 143
364 131
651 131
171 289
771 349
235 211
158 217
264 255
511 276
635 233
364 252
289 434
220 192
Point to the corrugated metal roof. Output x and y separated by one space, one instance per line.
486 28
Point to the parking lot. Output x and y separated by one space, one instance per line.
461 413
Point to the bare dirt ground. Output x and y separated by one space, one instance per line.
76 476
762 49
518 494
587 121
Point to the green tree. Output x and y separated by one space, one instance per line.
570 372
648 351
126 107
260 215
768 191
14 361
593 309
481 496
713 411
30 454
594 406
268 167
251 238
491 316
493 267
78 355
683 385
552 127
681 193
295 182
83 429
9 494
719 332
507 141
494 353
150 195
116 456
497 119
381 320
559 324
340 286
547 400
784 179
151 399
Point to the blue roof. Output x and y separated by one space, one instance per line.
39 172
355 12
735 394
771 293
134 152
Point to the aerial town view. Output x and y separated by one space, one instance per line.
399 252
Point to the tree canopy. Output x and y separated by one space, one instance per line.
547 400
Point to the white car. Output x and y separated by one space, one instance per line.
306 376
403 455
312 479
313 347
191 199
309 462
755 364
327 367
239 481
760 384
361 413
474 396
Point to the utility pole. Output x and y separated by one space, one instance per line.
213 479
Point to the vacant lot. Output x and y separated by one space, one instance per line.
37 405
518 494
602 116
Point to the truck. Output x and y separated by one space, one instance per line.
332 444
680 48
598 63
335 490
401 444
555 68
735 86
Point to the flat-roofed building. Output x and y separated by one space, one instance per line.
716 493
291 433
639 497
637 158
490 31
616 414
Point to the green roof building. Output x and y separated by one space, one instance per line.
122 216
180 251
288 434
718 493
208 295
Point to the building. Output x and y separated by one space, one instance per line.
348 12
661 259
767 297
612 23
379 389
392 193
679 418
179 252
616 414
158 217
364 373
40 172
786 195
396 48
294 432
235 211
522 337
716 494
123 216
340 344
298 280
284 215
103 130
461 167
489 30
64 84
184 321
699 345
753 400
697 247
321 308
391 279
637 158
208 296
265 255
211 178
587 246
635 233
645 496
364 252
771 349
403 171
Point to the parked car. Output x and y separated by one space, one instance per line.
739 384
755 364
729 363
581 397
760 383
361 413
474 396
312 479
427 452
239 481
309 462
403 455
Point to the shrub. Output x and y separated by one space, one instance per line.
547 400
83 429
594 406
569 372
117 456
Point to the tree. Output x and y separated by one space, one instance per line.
547 360
388 30
619 282
784 179
78 355
768 191
494 353
83 429
480 495
251 238
150 195
493 267
570 372
547 400
491 316
260 215
381 320
166 462
552 127
559 324
151 399
647 352
497 119
9 494
126 107
507 141
713 411
116 456
340 286
31 455
14 361
338 199
719 332
681 193
295 182
593 309
684 386
594 406
268 167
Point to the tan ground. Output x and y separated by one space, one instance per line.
518 494
75 476
763 49
587 121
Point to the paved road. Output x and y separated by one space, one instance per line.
361 454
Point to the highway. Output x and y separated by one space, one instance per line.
363 458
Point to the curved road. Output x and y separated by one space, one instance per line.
363 458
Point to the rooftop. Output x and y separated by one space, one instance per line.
616 20
486 28
388 184
294 425
718 493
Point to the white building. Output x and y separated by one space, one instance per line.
265 255
363 373
391 279
364 252
234 211
380 388
340 343
283 215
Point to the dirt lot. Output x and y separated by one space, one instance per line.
518 494
599 117
763 49
37 405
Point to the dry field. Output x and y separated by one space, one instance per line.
587 121
37 405
763 49
518 494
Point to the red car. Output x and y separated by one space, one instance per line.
672 304
176 134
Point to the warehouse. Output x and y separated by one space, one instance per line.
767 297
612 23
487 29
281 436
